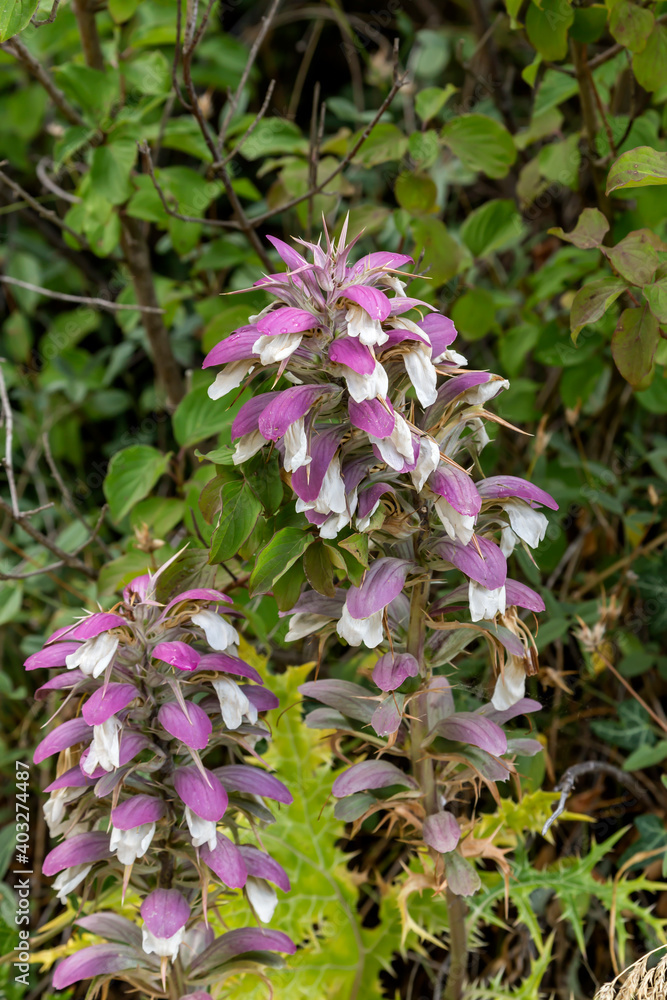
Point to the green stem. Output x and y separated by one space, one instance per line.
458 947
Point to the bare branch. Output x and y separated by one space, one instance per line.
50 184
67 496
148 164
47 20
569 779
67 558
81 300
246 135
9 444
252 55
47 213
16 48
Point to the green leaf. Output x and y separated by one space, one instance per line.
589 23
15 16
590 230
431 100
482 143
592 301
641 167
319 569
199 417
286 589
116 574
93 90
110 171
646 756
286 546
547 26
656 296
416 192
442 254
634 344
240 510
631 25
650 64
357 546
493 226
386 142
474 313
11 601
160 514
635 257
132 474
560 161
262 474
122 10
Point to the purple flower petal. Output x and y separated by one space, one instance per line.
291 257
106 701
247 419
370 774
349 351
263 699
289 406
74 778
380 259
287 320
236 347
459 384
522 707
111 925
253 780
513 486
199 995
229 665
194 733
371 300
57 683
226 861
198 594
489 570
441 831
208 800
373 416
178 654
382 583
392 669
521 596
138 589
480 731
63 737
404 303
440 331
458 489
387 716
51 656
238 942
94 625
98 960
400 336
262 865
137 811
81 849
351 699
164 912
307 481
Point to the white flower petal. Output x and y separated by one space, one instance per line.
481 394
358 630
68 880
422 375
484 604
163 947
233 702
220 635
277 348
510 686
262 897
105 748
94 655
331 498
359 324
296 446
131 844
362 387
247 446
230 378
529 524
461 526
428 461
202 831
396 449
303 624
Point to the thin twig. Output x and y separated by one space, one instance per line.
615 49
313 155
47 213
47 20
232 104
68 500
16 48
80 299
148 165
50 184
68 558
9 444
246 135
311 46
570 777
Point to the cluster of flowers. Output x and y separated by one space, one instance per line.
354 441
153 691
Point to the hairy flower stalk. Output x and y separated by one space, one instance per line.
154 789
379 427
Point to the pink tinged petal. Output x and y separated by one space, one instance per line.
382 583
307 481
400 336
521 596
460 384
373 416
137 811
440 331
164 912
369 499
193 733
288 254
262 699
112 926
253 780
238 942
458 489
198 594
523 707
289 406
403 303
469 727
226 861
287 320
59 682
512 486
137 590
262 865
392 669
489 570
81 849
352 700
178 654
441 832
368 775
349 351
51 656
207 799
387 716
380 259
94 625
229 665
107 701
372 300
98 960
199 995
236 347
63 737
247 419
74 778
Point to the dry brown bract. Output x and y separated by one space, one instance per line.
640 984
